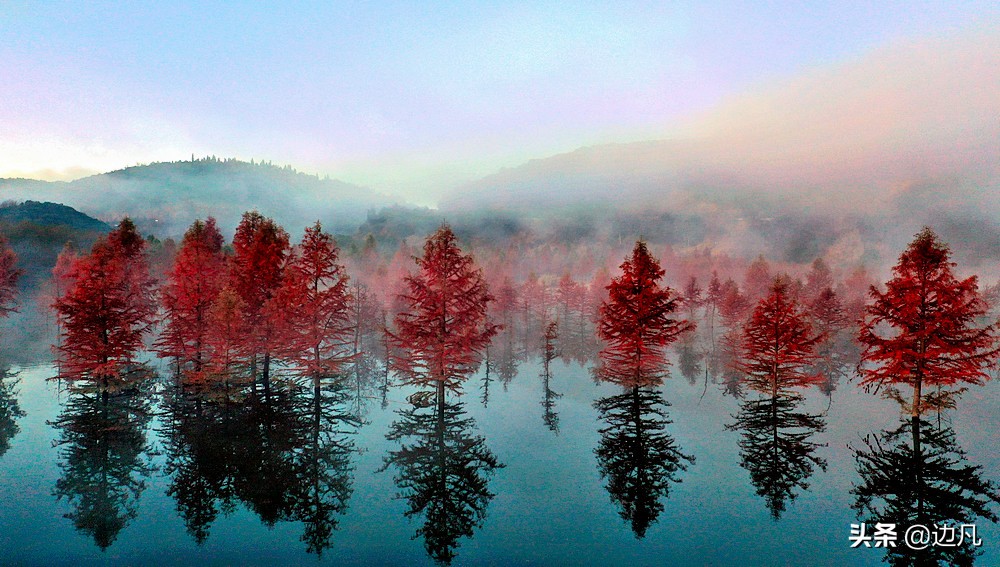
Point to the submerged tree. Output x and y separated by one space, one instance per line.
637 457
777 449
109 308
836 351
922 331
443 471
444 329
102 447
778 345
917 474
193 283
313 303
259 250
636 323
9 274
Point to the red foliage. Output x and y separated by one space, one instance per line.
733 306
109 308
818 280
313 306
259 250
758 279
635 321
8 278
225 337
778 345
193 282
922 330
567 296
443 330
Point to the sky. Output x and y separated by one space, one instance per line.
410 98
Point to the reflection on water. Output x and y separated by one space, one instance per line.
103 458
636 456
10 410
442 470
918 474
285 455
776 447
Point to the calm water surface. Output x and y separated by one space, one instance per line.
524 477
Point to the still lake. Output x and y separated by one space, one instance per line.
547 504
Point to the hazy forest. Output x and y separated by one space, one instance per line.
297 337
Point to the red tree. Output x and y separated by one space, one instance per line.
8 278
778 345
818 280
193 282
109 308
259 250
443 330
636 322
224 340
313 302
757 280
922 330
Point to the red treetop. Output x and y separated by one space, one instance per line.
443 329
110 306
8 278
259 250
635 321
778 344
193 283
922 330
312 303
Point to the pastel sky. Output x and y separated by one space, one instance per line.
410 98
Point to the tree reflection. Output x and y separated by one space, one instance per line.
10 409
918 474
102 443
549 397
508 356
776 448
689 359
443 470
637 457
324 468
286 456
550 417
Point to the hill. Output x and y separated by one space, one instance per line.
49 214
38 232
164 198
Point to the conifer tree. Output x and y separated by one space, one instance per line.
9 274
443 329
922 330
778 344
636 322
193 283
313 305
110 306
259 250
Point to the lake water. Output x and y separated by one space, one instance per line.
523 485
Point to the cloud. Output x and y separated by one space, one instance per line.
913 109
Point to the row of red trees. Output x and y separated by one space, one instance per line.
923 331
222 311
237 310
